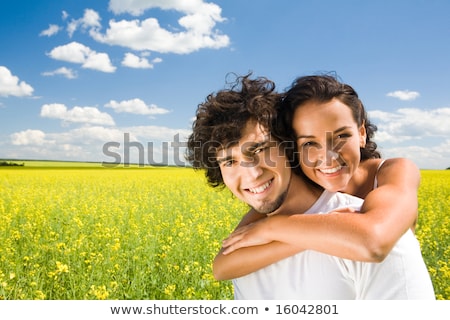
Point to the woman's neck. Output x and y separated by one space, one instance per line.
363 179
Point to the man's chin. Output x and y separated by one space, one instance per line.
270 207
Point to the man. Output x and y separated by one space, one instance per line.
235 147
232 142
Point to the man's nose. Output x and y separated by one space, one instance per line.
252 168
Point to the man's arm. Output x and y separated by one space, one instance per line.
251 258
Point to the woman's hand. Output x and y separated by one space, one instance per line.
253 234
262 232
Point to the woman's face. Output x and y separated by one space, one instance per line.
329 141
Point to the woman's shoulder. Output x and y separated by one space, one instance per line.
371 165
392 168
376 165
394 164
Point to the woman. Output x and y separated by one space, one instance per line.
343 160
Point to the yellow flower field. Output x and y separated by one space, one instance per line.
433 230
144 233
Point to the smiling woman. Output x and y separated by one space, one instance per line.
325 133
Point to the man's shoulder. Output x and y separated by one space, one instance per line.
345 199
330 201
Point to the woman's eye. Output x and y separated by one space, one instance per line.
344 136
307 144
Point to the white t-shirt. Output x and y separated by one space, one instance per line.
314 275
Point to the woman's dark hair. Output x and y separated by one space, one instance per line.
221 118
323 88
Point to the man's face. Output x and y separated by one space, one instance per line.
256 169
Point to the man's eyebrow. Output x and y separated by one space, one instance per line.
248 149
251 147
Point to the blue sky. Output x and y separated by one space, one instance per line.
77 75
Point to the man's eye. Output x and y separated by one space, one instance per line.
228 163
258 150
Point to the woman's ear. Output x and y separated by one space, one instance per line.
362 135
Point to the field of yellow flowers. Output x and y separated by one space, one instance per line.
144 233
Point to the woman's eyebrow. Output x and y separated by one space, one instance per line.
343 128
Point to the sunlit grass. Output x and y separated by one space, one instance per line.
143 233
111 234
433 229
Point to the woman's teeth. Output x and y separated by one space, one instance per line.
331 170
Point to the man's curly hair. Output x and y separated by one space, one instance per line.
221 118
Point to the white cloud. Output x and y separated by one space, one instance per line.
418 134
88 143
66 72
198 22
136 106
90 20
404 95
29 137
428 157
88 135
88 115
411 123
158 133
11 86
133 61
51 31
99 61
76 52
138 7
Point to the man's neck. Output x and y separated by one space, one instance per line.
300 197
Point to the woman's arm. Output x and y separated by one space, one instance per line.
393 205
389 211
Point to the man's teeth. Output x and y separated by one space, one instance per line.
331 170
261 188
